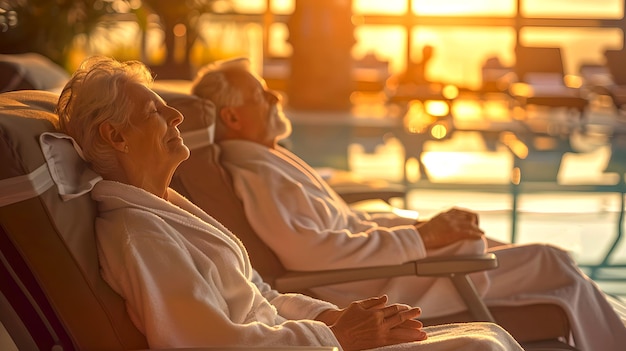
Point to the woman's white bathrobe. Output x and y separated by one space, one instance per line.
187 282
310 227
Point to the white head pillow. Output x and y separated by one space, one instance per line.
68 169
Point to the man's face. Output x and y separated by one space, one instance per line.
261 112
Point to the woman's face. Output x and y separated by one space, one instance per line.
153 139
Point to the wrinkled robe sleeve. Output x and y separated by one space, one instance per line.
292 306
173 304
303 231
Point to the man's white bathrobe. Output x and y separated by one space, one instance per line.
310 227
187 282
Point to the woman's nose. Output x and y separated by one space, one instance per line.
176 117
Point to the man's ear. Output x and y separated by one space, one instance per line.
112 136
230 118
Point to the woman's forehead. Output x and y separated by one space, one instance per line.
140 91
142 96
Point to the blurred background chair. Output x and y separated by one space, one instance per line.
542 77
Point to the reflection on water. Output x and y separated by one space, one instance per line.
475 164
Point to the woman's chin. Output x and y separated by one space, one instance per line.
180 152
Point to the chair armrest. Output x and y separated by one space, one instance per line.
444 266
293 281
456 268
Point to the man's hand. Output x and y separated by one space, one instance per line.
371 323
449 227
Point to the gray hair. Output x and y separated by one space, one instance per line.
95 94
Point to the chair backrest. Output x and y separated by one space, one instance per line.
52 293
203 180
616 63
538 60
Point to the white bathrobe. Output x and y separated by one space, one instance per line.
310 227
187 282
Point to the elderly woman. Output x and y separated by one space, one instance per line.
186 279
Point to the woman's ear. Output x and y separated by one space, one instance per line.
112 137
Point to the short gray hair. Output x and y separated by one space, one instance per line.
93 95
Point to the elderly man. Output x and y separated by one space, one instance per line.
310 227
